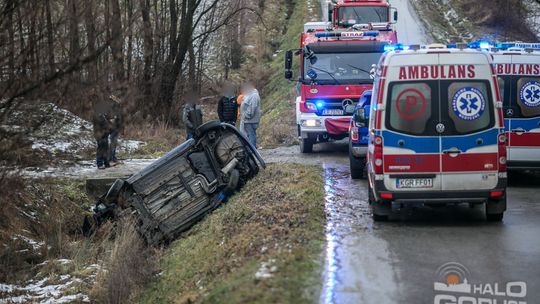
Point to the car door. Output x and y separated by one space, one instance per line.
524 124
469 134
411 145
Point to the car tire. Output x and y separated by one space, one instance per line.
375 205
357 166
306 145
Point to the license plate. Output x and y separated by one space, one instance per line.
332 112
414 183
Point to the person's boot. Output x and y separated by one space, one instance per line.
101 166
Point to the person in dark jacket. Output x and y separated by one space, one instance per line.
101 120
227 107
192 114
117 124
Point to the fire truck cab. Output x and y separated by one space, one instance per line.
335 69
367 14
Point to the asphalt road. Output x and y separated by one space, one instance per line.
398 261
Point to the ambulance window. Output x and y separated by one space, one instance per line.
528 96
501 86
470 106
409 107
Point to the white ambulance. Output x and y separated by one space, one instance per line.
518 70
436 131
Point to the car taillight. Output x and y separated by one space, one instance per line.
502 152
354 134
494 194
378 155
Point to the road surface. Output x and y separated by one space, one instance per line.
397 262
409 28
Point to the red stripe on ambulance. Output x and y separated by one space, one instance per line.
466 162
517 69
525 140
437 72
415 163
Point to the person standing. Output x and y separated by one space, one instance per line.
227 108
250 113
102 129
192 114
117 124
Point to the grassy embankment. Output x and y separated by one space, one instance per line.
278 124
465 21
263 246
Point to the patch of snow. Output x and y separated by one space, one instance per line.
266 270
533 18
60 131
41 292
36 245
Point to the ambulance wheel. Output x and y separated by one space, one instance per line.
495 209
497 217
377 207
357 166
306 145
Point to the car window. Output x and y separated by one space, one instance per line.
528 96
409 107
469 106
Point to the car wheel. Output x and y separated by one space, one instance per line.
380 212
306 145
357 166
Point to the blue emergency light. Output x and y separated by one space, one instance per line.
319 104
396 47
507 45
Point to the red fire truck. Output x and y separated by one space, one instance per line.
367 14
335 69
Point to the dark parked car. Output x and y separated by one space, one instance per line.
175 191
358 136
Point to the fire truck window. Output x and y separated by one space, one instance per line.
409 107
528 96
344 68
469 106
350 16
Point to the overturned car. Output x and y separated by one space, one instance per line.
175 191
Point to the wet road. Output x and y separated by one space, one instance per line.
398 261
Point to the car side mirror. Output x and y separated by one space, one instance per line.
288 60
360 116
288 75
350 109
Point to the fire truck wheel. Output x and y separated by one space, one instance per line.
306 145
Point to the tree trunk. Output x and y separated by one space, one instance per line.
74 46
117 41
148 51
50 37
91 40
129 4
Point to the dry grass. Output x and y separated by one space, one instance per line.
128 266
277 218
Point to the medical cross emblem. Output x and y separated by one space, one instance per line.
468 103
530 94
